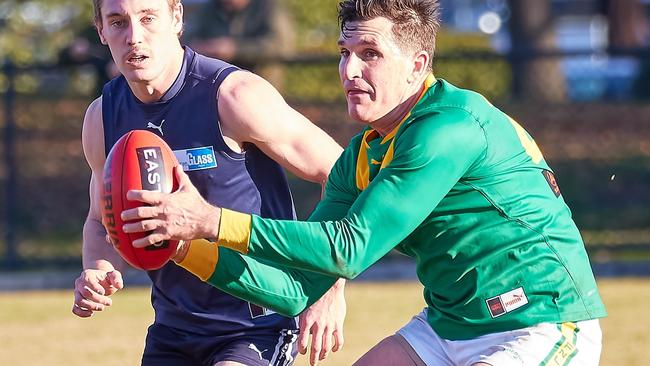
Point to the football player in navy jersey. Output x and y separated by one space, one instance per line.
233 134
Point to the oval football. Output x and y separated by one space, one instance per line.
138 160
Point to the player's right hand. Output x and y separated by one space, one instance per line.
92 290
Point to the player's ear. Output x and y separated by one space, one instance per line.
177 18
420 63
100 29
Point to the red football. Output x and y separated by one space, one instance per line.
138 160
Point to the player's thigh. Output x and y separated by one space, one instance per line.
229 363
570 343
425 342
391 351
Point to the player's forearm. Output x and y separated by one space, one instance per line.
96 252
334 248
283 290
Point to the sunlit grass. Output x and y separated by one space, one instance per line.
38 326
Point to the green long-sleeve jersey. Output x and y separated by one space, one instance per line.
460 187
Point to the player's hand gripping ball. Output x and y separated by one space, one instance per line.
138 160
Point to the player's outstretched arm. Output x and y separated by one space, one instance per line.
99 278
253 111
286 291
399 198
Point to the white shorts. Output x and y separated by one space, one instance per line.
576 344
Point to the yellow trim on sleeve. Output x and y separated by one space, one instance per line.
201 258
235 230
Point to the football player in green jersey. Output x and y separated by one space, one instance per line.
439 174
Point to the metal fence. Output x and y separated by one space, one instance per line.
598 141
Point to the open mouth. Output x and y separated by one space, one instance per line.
137 59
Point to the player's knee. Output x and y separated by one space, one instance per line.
389 352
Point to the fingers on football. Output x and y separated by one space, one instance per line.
141 226
182 178
139 213
153 239
150 197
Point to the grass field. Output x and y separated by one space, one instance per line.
37 327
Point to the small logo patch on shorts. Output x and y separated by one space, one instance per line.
506 302
197 158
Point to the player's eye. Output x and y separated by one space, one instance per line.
344 52
117 23
370 54
148 19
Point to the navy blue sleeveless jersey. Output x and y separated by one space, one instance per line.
187 118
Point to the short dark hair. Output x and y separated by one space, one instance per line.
97 7
415 22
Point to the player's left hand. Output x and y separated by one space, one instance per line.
180 215
324 322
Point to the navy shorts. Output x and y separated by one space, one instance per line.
166 346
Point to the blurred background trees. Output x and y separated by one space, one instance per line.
35 31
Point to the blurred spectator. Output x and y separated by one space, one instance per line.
251 34
628 23
85 48
628 29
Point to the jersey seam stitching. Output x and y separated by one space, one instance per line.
541 234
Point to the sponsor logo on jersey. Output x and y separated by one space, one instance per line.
197 158
506 302
550 178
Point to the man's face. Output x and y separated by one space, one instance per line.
142 36
373 70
